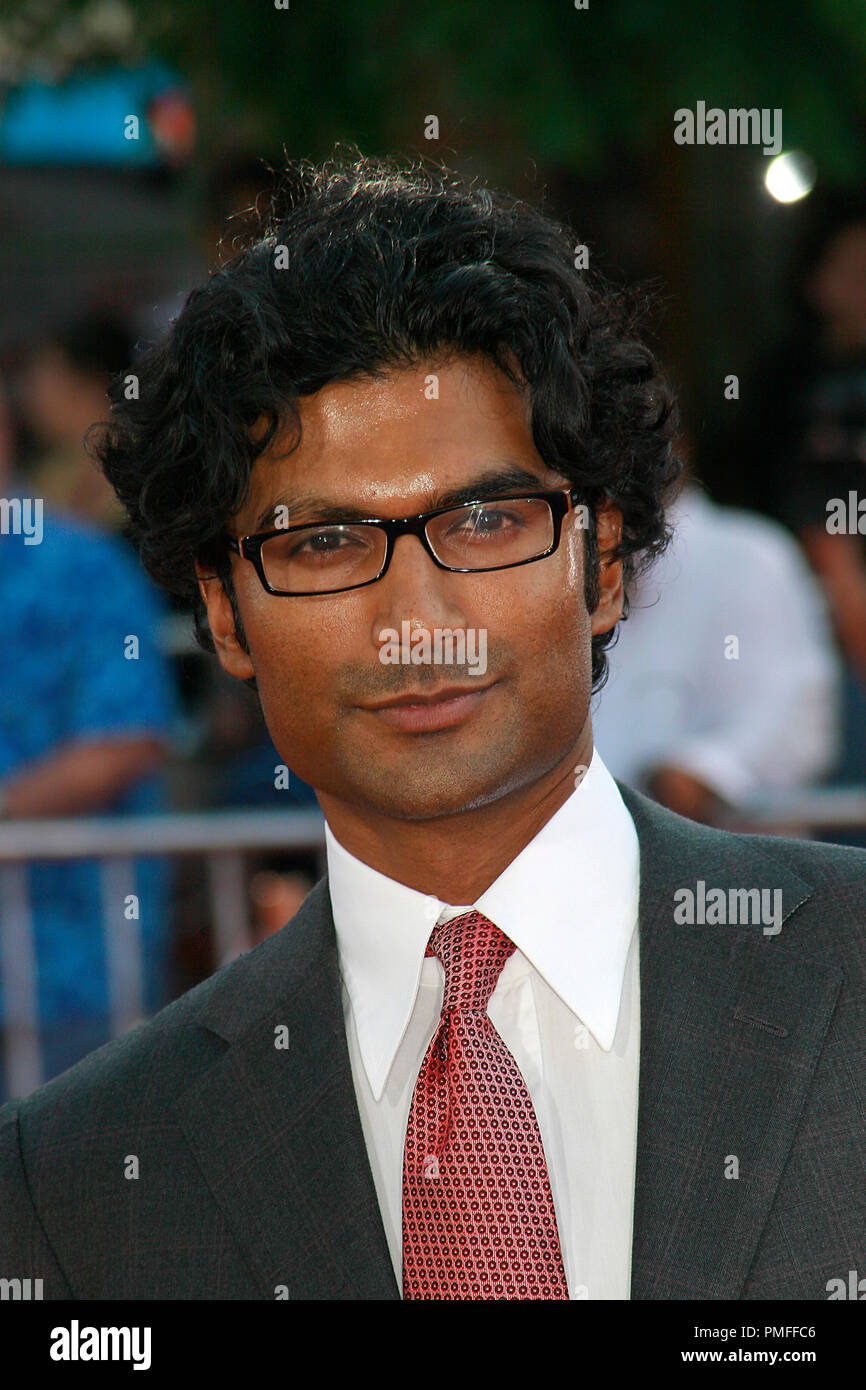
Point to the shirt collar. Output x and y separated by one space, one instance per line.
568 901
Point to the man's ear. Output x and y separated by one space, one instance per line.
221 621
610 589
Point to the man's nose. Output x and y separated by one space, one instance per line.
416 589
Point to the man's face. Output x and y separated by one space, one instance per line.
386 449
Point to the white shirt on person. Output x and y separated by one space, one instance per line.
725 666
567 1006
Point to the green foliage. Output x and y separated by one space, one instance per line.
538 75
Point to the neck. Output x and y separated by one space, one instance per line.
456 858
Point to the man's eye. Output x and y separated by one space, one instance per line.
325 543
320 541
488 521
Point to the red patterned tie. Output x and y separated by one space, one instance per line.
478 1216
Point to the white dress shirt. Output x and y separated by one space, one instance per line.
761 713
567 1006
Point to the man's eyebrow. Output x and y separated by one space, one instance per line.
494 482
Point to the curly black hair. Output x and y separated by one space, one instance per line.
361 265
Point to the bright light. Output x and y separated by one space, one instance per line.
790 176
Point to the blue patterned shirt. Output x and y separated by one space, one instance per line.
70 606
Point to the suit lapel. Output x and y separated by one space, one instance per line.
276 1130
732 1025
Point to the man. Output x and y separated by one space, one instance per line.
63 390
804 438
496 1054
729 655
85 712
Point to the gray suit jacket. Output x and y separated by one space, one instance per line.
252 1174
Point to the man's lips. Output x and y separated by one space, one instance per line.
424 710
426 697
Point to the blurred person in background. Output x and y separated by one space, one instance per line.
86 708
275 899
808 434
63 389
729 657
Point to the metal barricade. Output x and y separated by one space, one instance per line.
223 838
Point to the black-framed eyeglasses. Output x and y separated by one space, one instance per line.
327 558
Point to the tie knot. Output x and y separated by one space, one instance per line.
473 951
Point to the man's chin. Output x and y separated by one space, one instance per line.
407 792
